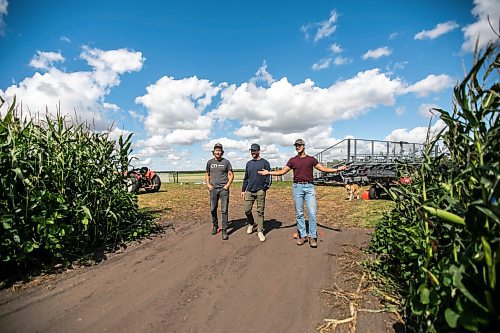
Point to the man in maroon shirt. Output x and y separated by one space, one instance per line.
303 189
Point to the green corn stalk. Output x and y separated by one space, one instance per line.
446 224
61 192
450 217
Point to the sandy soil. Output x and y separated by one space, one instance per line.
186 280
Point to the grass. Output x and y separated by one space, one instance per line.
192 177
190 203
335 209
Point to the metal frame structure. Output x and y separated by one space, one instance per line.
370 161
363 151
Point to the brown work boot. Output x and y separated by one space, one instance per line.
301 240
313 242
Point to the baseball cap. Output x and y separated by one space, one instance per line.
254 146
218 145
299 142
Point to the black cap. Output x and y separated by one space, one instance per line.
299 142
255 146
218 145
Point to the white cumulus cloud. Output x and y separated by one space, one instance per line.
324 29
440 29
393 67
82 93
248 131
417 134
228 144
432 83
160 158
342 61
111 106
176 107
108 65
377 53
328 27
483 10
322 64
288 108
177 137
136 115
336 48
115 133
262 75
425 110
45 60
393 35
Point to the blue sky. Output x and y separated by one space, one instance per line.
184 75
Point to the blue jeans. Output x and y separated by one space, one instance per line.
301 193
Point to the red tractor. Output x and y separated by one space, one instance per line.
143 178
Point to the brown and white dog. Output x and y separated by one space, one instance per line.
352 190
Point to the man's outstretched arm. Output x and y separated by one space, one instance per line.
323 168
281 172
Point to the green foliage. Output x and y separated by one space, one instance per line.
441 243
62 192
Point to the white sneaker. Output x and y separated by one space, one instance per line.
261 236
249 229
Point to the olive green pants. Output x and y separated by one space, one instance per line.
250 198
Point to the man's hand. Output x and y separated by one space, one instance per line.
340 168
263 172
242 195
210 187
226 187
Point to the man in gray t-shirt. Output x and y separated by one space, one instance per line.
219 176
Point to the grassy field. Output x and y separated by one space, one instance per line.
191 177
190 202
198 177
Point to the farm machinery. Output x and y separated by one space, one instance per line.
143 178
370 162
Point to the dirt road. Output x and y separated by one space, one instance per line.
187 280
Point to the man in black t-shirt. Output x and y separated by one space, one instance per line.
303 190
254 189
219 176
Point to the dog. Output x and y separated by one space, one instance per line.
352 190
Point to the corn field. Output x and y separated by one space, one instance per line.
440 246
62 192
